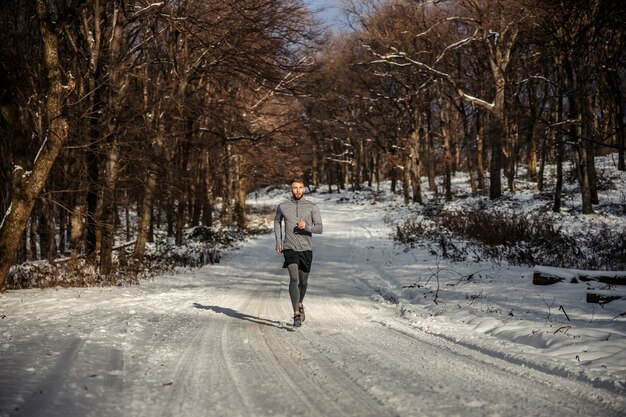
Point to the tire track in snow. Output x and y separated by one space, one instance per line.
202 378
413 376
324 390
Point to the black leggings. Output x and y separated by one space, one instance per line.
298 282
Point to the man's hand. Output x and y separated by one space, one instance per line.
279 249
301 224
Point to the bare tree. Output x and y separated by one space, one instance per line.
26 186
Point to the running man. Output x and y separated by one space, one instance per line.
301 218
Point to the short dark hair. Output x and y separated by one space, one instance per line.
297 179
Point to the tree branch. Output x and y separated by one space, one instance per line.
477 101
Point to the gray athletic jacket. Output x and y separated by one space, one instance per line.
291 211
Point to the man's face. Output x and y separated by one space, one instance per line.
297 190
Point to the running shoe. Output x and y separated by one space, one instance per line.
297 320
302 315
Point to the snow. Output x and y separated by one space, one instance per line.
6 214
498 309
218 341
577 273
41 148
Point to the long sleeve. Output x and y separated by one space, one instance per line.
317 226
278 228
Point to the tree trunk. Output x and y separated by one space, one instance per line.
560 156
360 163
618 116
558 188
365 164
498 137
315 165
28 186
32 233
145 219
416 171
532 157
447 149
531 139
499 59
146 215
512 157
62 232
343 174
227 209
93 39
330 177
117 83
197 191
591 127
583 178
207 213
93 172
157 155
480 149
22 250
548 138
127 215
495 165
447 165
76 236
107 235
376 169
47 230
406 175
180 219
240 196
471 157
184 178
430 155
576 135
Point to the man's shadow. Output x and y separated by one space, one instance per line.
241 316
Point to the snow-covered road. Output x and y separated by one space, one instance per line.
218 342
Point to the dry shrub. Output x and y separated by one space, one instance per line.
519 239
42 274
500 228
202 247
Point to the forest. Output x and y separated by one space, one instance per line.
172 112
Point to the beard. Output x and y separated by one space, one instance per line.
295 197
